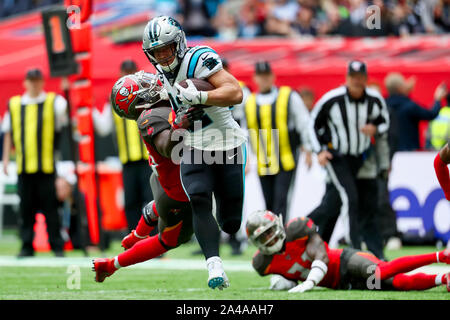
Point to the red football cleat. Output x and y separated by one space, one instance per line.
103 268
131 239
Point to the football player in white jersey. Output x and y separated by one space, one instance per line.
214 159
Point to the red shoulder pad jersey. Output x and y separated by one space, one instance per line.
150 123
294 263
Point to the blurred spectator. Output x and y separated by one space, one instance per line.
442 15
12 7
197 17
35 114
407 18
285 10
253 14
406 114
304 23
290 18
226 24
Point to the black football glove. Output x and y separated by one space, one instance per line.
186 117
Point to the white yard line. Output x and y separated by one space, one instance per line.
164 263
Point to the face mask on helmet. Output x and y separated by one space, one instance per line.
133 93
267 232
151 92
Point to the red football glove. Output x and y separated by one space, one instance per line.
131 239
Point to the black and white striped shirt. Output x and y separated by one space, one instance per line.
336 121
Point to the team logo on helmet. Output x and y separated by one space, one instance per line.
126 95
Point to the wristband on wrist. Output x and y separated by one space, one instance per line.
318 271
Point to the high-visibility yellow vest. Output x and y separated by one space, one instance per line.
33 132
440 128
269 136
129 142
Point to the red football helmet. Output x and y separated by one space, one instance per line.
133 93
265 230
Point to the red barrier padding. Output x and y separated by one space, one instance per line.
111 199
81 95
84 67
87 185
81 38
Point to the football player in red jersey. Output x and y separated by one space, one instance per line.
296 252
171 209
441 162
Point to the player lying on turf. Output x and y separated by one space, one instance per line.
296 252
441 162
170 209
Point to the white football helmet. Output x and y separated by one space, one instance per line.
160 32
265 230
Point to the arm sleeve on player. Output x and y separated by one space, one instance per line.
152 122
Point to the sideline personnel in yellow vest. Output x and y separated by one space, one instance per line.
439 129
277 120
31 124
132 153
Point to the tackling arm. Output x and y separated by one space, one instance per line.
164 143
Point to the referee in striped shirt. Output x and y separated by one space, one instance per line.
342 124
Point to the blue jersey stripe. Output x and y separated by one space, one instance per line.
194 60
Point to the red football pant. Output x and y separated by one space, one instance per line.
405 264
417 281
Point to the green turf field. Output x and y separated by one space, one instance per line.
179 275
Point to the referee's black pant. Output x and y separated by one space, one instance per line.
342 171
37 193
362 214
275 190
137 191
